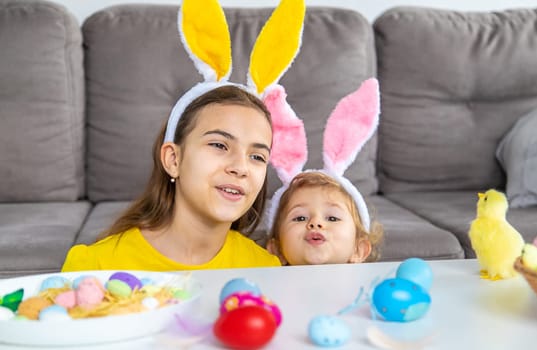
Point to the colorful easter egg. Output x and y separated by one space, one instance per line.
181 294
118 288
245 328
240 299
54 313
66 299
131 280
150 303
417 271
54 282
147 281
6 313
90 292
401 300
328 331
239 285
31 307
76 281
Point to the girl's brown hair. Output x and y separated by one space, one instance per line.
318 179
154 208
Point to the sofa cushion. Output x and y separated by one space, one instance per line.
454 211
42 103
408 235
101 218
452 84
34 237
136 69
517 153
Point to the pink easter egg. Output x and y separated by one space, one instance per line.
66 299
90 292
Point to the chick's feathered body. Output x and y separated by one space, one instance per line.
496 243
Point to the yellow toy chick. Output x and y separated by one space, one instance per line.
496 243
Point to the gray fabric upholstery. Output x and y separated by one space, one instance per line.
41 103
517 154
452 84
453 211
100 218
34 237
136 69
407 234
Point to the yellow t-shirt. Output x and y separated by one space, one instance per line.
131 251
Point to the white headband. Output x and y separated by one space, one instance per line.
351 124
207 41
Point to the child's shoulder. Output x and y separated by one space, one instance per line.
87 256
250 250
238 238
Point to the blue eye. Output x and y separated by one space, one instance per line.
299 218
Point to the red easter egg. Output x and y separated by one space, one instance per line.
245 328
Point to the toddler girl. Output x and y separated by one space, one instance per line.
319 216
317 222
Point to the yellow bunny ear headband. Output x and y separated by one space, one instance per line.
205 35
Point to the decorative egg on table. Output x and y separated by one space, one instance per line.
400 300
245 328
6 313
240 299
328 331
239 285
248 320
417 271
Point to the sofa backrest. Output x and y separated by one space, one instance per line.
452 85
136 69
41 103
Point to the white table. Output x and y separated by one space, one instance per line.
466 312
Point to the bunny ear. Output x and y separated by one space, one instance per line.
205 35
351 124
289 146
277 45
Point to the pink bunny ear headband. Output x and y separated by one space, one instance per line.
205 35
351 124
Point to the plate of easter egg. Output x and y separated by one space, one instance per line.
91 307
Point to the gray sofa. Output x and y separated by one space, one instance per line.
80 106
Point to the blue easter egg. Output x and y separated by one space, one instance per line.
417 271
54 313
79 279
147 281
400 300
328 331
54 282
239 285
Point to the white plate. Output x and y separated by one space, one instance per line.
99 329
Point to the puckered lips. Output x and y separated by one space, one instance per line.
315 238
231 192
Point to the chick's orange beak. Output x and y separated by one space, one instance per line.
480 195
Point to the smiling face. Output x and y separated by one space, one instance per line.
317 227
222 164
